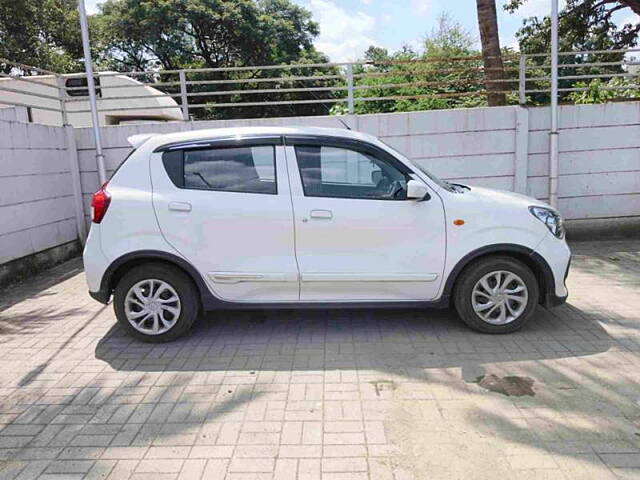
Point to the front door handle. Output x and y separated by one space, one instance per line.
180 206
321 214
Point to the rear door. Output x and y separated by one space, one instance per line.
358 238
226 207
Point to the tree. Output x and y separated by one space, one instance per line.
444 75
448 38
42 33
584 25
491 54
176 34
207 33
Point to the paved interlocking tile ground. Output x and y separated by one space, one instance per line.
357 394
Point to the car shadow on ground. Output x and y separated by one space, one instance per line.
412 360
400 339
421 368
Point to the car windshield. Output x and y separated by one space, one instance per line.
441 183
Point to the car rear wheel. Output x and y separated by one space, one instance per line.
496 295
155 303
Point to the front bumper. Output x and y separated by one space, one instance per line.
553 300
101 296
557 255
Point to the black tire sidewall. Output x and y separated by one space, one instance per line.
470 276
181 283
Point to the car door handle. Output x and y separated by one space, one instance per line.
321 214
180 206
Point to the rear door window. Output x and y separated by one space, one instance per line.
250 169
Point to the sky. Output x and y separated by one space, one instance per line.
349 27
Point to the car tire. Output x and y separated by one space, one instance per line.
152 319
491 286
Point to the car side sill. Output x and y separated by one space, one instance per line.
209 302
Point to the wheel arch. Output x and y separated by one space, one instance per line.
526 255
125 263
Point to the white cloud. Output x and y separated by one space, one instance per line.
343 36
367 2
421 7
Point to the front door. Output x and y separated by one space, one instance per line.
227 209
358 238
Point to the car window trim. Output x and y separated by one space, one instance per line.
218 146
222 142
347 144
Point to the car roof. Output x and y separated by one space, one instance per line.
157 140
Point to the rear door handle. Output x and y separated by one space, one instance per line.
321 214
180 206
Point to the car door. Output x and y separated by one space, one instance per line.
226 207
358 238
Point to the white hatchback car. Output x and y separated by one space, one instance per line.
311 217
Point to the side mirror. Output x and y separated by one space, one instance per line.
417 190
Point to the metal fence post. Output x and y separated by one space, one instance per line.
61 94
350 106
553 134
183 95
88 66
522 79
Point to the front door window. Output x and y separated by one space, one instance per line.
343 173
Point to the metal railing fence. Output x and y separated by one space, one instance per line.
320 88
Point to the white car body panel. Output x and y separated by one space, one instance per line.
95 262
484 213
557 255
257 248
131 224
369 250
241 243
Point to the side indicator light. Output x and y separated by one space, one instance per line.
458 222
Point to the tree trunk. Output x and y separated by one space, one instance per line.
491 54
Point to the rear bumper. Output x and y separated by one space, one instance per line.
95 265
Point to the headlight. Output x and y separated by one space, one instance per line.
550 218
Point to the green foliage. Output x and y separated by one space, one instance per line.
598 91
39 33
173 34
446 75
164 35
583 25
177 34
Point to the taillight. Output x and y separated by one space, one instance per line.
99 204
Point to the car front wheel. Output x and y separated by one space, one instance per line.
155 303
496 295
